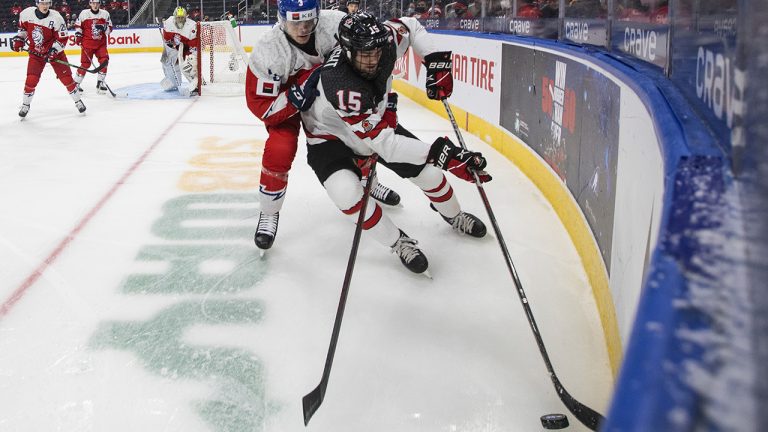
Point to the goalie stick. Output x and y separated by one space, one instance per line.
48 59
589 417
312 400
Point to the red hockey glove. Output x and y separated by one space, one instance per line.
17 43
439 75
78 38
461 163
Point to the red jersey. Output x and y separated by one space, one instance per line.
86 23
42 33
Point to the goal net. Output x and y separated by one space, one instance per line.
221 61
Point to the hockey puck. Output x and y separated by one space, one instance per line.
554 421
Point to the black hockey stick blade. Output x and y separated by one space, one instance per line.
311 401
589 417
109 89
586 415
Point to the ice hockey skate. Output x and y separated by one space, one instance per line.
101 87
24 110
465 223
266 231
411 256
385 195
80 106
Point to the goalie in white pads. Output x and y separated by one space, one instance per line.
180 51
303 38
352 115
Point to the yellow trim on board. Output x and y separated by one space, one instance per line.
558 196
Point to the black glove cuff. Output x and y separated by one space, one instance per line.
439 60
440 152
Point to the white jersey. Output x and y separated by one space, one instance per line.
275 60
367 129
186 35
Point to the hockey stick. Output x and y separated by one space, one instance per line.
312 400
589 417
109 89
48 59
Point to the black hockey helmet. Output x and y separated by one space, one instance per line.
362 36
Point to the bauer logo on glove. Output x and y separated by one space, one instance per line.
439 75
460 162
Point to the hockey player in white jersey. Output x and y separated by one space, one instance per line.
354 116
283 57
180 51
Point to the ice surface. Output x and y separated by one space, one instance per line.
133 298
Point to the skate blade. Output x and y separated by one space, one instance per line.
427 274
262 253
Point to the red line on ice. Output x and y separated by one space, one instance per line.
35 275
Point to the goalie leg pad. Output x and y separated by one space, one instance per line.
189 68
168 84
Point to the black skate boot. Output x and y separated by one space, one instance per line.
411 256
24 110
385 195
465 223
80 106
266 231
101 87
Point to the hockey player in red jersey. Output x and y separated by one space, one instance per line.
354 115
282 57
45 31
180 33
92 29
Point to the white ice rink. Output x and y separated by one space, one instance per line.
132 297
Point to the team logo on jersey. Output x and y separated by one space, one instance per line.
402 30
95 30
37 36
367 125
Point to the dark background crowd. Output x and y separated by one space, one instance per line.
141 12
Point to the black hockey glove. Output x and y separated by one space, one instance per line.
439 76
17 43
303 96
78 38
392 102
52 53
461 163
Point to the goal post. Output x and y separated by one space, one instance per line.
221 60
